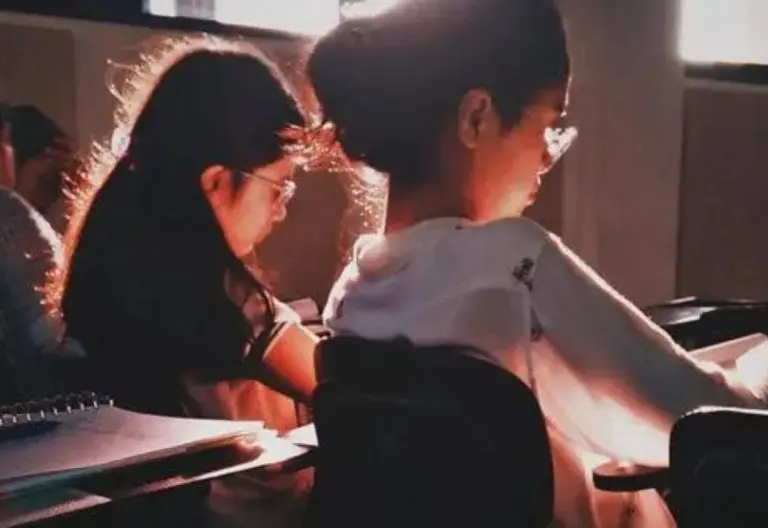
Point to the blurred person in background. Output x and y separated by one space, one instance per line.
31 329
44 157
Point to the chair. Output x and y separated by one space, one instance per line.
719 468
425 437
718 474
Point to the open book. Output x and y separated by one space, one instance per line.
89 441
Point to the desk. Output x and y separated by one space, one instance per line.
681 322
697 323
90 501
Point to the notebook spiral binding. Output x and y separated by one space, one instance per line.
50 408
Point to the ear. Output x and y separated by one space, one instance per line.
218 185
476 114
216 182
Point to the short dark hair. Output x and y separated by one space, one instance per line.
390 83
32 131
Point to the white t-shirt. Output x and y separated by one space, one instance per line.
609 381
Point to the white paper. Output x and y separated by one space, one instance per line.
305 436
727 353
90 441
752 368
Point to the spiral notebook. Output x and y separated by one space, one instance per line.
81 434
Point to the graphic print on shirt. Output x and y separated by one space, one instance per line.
523 272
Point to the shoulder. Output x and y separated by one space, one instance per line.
513 239
534 251
13 205
523 229
16 212
23 229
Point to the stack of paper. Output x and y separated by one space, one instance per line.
108 438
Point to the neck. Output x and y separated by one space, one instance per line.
412 206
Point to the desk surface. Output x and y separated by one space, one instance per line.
100 490
678 315
687 311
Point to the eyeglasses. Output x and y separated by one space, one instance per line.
558 141
286 187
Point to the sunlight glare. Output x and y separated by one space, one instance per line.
307 17
163 8
366 8
728 31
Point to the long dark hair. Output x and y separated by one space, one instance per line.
144 292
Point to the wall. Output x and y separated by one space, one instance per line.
621 179
96 45
24 54
724 207
87 57
664 191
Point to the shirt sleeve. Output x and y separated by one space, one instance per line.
264 335
611 379
28 251
284 317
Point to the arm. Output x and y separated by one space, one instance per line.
286 359
27 330
290 361
615 380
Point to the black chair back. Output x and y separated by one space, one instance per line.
425 437
719 468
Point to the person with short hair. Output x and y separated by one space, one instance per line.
462 104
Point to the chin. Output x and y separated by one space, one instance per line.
260 237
